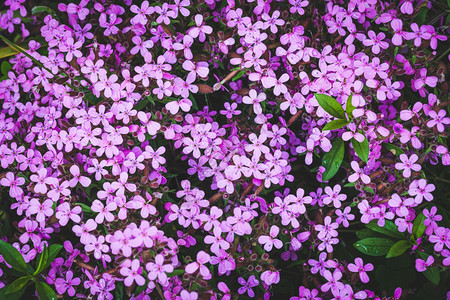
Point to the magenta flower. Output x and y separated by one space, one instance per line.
376 41
248 285
438 119
359 267
408 164
132 271
422 266
63 285
440 238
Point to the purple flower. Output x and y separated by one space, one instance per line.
247 285
63 285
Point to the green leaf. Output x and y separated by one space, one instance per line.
175 273
239 75
361 149
42 261
17 285
53 251
335 124
349 107
13 257
433 275
85 208
331 106
374 246
418 226
5 67
388 229
394 149
332 160
45 292
42 9
7 52
365 233
398 248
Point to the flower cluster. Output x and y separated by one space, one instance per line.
197 149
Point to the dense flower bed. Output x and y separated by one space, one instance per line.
224 149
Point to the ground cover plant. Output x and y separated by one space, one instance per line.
204 149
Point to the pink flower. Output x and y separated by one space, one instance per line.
401 204
64 213
13 183
408 164
41 210
202 259
359 174
419 33
269 240
217 241
83 180
104 212
422 266
270 277
132 274
438 119
440 238
359 267
334 196
376 41
158 269
333 281
42 180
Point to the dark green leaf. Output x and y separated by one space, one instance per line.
361 149
45 292
398 248
13 257
389 229
335 124
176 273
433 275
365 233
42 261
119 290
374 246
332 160
331 106
17 285
349 107
53 251
5 67
418 226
